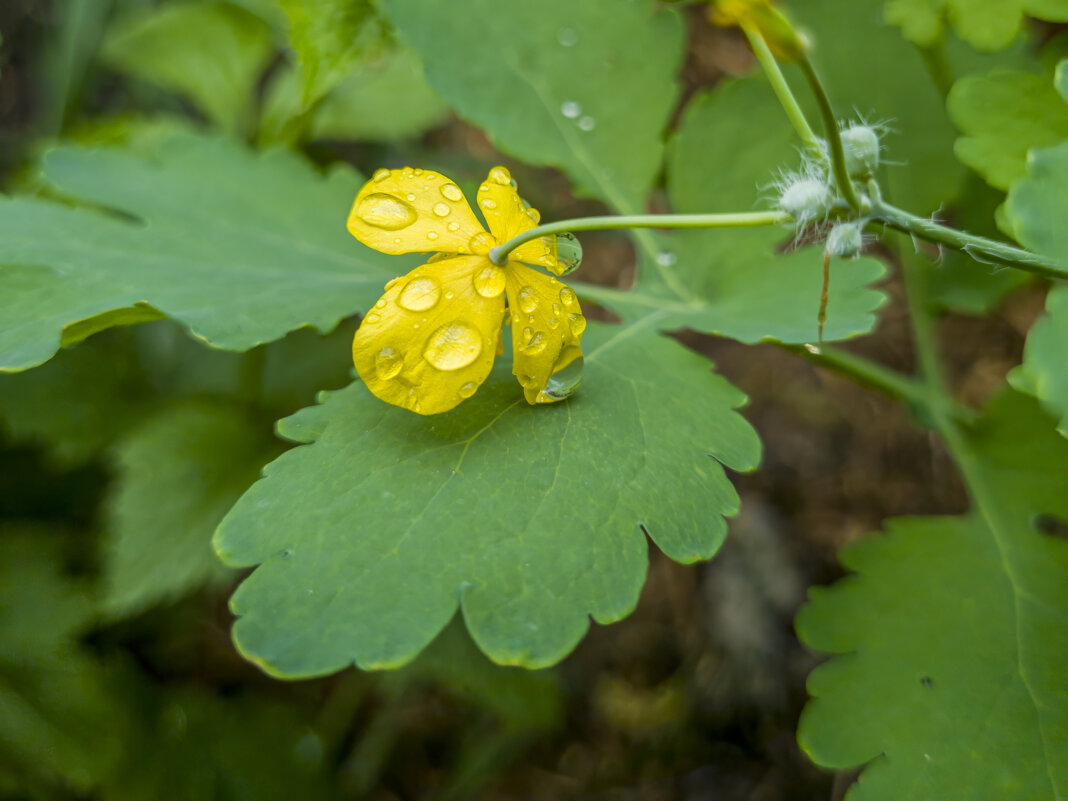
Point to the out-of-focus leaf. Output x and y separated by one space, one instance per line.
66 57
238 247
949 640
331 38
984 24
386 99
371 535
211 53
178 474
1004 115
1044 372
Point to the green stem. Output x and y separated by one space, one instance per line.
834 138
782 90
978 247
745 219
934 58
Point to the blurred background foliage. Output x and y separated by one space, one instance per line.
118 457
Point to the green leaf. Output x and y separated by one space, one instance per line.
387 99
210 53
240 248
584 87
178 474
984 24
1044 372
1004 115
331 38
530 519
949 640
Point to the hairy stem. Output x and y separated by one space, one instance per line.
746 219
834 138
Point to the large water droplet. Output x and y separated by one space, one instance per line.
453 346
499 175
489 281
587 123
420 294
380 175
564 380
372 318
468 389
488 203
481 243
451 192
577 323
567 37
385 211
568 297
527 300
570 109
568 253
535 215
388 363
536 344
381 302
442 209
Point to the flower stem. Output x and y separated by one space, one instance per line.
745 219
834 139
978 247
782 90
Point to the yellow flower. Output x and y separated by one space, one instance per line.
763 17
430 340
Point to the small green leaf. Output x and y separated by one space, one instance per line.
240 248
949 640
1044 372
984 24
178 474
331 38
370 536
1003 115
211 53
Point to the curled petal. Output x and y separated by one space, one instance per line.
430 340
413 211
547 326
507 215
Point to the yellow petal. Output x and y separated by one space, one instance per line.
547 326
507 215
430 341
414 211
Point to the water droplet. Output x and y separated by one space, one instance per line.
554 322
380 175
453 346
417 171
556 309
453 226
431 235
411 197
527 334
570 109
381 302
420 294
488 203
567 37
489 282
442 209
527 300
587 123
451 192
536 345
481 243
568 297
564 379
412 401
499 175
385 211
448 295
577 323
666 258
388 363
468 389
535 215
372 318
526 380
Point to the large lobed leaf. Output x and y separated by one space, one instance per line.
949 640
530 519
240 248
984 24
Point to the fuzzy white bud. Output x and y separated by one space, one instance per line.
806 199
846 239
861 145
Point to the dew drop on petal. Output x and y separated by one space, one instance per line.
527 300
535 215
411 196
412 401
451 192
381 302
527 334
431 235
468 389
372 318
385 211
442 209
420 294
489 281
392 283
536 344
453 346
554 322
567 297
556 309
380 175
388 363
488 203
501 176
453 226
570 109
481 243
577 323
